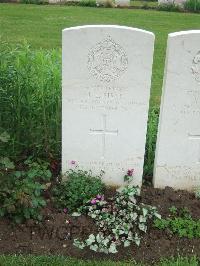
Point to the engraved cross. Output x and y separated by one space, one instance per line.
196 137
103 132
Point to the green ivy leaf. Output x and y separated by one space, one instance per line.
78 244
2 212
90 240
76 214
137 241
127 243
112 248
143 227
4 137
142 219
157 215
145 211
7 163
94 247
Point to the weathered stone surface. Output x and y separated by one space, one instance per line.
122 3
106 89
177 162
169 2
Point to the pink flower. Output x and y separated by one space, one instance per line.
73 162
65 210
130 172
93 201
100 197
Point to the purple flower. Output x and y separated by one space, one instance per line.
130 172
73 162
65 210
100 197
93 201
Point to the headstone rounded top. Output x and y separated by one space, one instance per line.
108 26
180 33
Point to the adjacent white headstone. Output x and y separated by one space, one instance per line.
170 2
61 1
105 3
122 3
177 162
106 88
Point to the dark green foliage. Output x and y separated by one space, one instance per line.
21 190
182 226
91 3
192 5
30 100
169 7
37 2
173 210
151 141
180 222
79 187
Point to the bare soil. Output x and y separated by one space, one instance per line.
56 233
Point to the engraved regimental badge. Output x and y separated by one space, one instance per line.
107 60
196 67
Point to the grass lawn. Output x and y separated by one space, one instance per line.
63 261
41 26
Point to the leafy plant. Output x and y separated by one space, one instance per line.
173 210
197 193
169 7
4 137
184 227
192 5
119 221
21 190
91 3
180 223
5 161
37 2
151 141
30 100
79 187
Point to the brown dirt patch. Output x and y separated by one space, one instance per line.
56 233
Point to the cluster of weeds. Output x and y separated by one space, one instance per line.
192 5
30 100
172 7
180 222
77 189
152 127
21 191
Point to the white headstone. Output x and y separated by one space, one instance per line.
105 3
105 100
177 162
122 3
170 2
